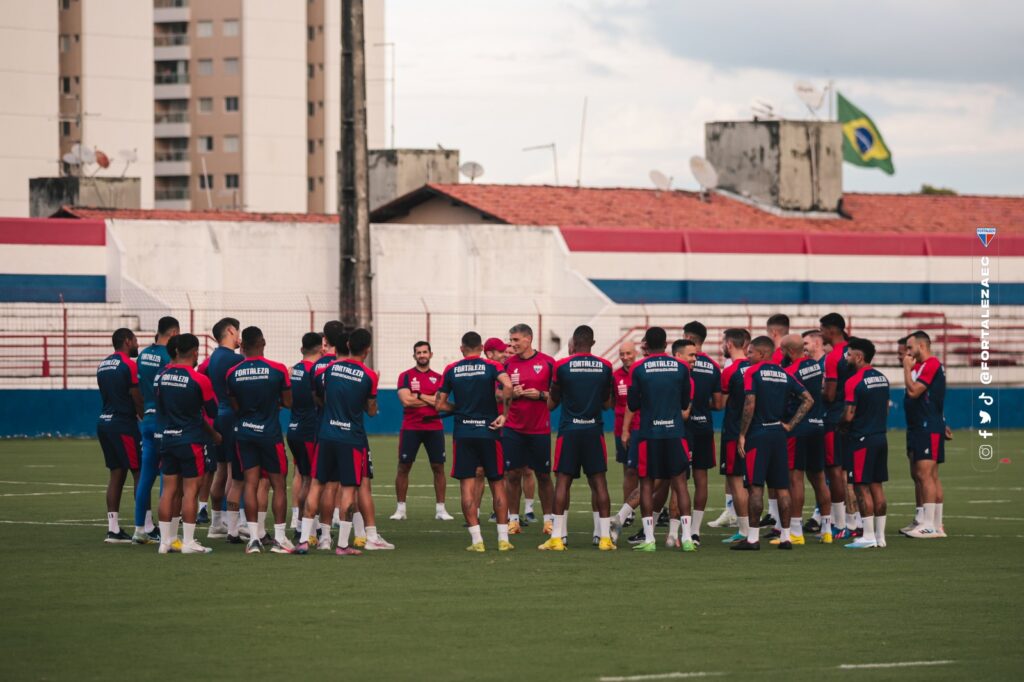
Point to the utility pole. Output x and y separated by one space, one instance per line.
353 178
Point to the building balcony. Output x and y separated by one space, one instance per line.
172 86
173 204
170 11
171 52
171 163
172 124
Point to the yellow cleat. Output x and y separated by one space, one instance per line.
476 547
359 542
513 528
176 545
505 546
548 527
552 544
794 539
606 545
826 538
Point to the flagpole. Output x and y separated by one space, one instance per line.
831 97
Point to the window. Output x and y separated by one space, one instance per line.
65 128
204 143
65 85
65 42
231 180
205 105
310 146
231 144
204 29
230 28
310 32
320 104
231 66
65 4
310 184
230 104
309 108
309 70
205 182
205 67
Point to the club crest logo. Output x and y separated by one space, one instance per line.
986 235
537 368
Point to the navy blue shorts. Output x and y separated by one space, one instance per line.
924 446
584 449
409 442
224 424
732 462
268 455
121 450
869 459
661 458
187 460
767 459
527 450
302 455
344 463
702 449
807 451
621 452
470 453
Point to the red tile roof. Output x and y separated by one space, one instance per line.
157 214
679 210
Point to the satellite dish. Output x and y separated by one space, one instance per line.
87 155
102 159
809 94
70 159
128 155
472 170
660 180
704 172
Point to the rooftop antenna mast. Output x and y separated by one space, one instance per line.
554 154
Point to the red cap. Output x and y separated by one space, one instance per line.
494 343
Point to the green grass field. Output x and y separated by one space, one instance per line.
75 608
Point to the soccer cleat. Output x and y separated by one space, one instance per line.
636 539
296 536
243 531
377 543
523 521
514 528
164 549
552 545
359 541
614 529
689 546
118 538
176 545
735 537
906 529
629 520
662 519
443 515
301 548
399 515
347 551
788 544
325 543
671 542
505 546
216 532
596 540
923 533
548 527
880 542
606 545
826 539
493 518
530 517
203 517
234 540
266 540
646 547
254 547
774 533
154 534
843 534
195 548
696 539
940 532
746 546
812 526
725 519
285 547
766 521
861 543
141 538
476 547
857 533
793 540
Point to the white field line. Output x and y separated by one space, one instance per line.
71 485
987 501
52 523
60 492
898 664
660 676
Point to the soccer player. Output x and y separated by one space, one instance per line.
582 384
348 390
806 443
417 389
925 381
700 432
497 351
837 371
762 437
184 400
866 416
476 438
734 347
814 348
258 388
152 359
303 423
660 390
776 328
216 366
630 482
118 425
526 438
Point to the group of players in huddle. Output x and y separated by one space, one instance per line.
795 406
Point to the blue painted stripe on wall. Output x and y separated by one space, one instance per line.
41 413
48 288
731 291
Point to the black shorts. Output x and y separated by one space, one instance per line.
924 446
869 459
338 462
527 450
121 450
409 441
833 446
806 451
224 424
620 450
767 459
187 460
732 462
702 449
662 458
302 454
584 449
470 453
268 455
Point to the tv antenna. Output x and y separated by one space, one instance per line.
705 174
763 110
660 180
472 170
554 154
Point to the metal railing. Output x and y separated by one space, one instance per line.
170 156
170 78
170 40
171 117
170 194
167 4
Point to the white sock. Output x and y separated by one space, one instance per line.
744 524
880 529
371 533
112 524
549 518
344 528
502 532
336 519
869 528
307 529
728 504
838 515
858 521
148 527
165 533
919 513
773 510
513 518
556 527
261 523
528 509
648 523
474 534
254 530
175 522
673 528
233 523
927 516
189 531
624 513
400 508
826 524
295 517
604 525
597 524
698 519
565 524
325 531
938 515
279 533
358 526
753 532
140 530
817 514
796 527
216 517
438 508
687 529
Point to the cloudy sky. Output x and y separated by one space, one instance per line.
942 80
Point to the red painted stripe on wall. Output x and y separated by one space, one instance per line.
53 231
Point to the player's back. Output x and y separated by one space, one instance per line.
256 385
732 386
115 376
707 380
771 387
809 373
660 388
183 397
346 386
151 360
868 391
303 414
471 384
216 368
584 381
839 370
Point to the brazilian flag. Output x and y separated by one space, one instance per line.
862 143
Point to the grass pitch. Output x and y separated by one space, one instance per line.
74 608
